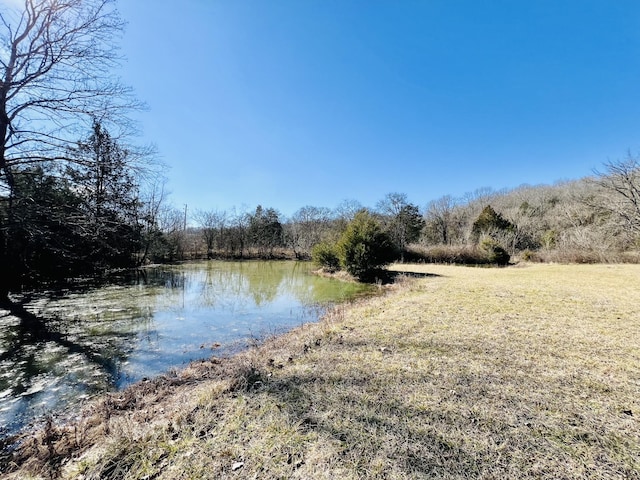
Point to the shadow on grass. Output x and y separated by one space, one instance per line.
386 277
371 427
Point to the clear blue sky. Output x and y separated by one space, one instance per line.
288 103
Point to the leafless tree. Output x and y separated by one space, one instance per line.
401 219
57 59
307 227
620 186
392 204
441 220
153 200
213 224
172 224
239 219
347 209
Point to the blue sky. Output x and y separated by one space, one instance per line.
288 103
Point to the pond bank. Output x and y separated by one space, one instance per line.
526 372
60 347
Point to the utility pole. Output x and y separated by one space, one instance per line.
185 217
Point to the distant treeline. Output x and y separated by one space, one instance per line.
595 219
95 215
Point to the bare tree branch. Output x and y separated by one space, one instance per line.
620 191
56 79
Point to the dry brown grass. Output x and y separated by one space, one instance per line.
524 372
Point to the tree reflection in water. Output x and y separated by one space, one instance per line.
58 348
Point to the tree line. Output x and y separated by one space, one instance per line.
78 197
594 219
98 213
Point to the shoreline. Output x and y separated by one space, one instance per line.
529 372
22 411
55 438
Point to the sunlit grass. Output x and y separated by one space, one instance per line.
525 372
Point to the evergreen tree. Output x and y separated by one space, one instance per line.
103 176
265 230
489 221
365 248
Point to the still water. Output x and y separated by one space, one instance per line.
104 338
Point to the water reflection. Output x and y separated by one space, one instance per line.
66 346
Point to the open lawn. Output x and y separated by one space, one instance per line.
522 372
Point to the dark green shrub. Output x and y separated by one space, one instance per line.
326 255
488 221
495 252
365 248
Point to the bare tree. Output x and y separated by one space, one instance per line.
306 228
171 224
441 220
239 220
213 224
153 201
620 184
391 204
401 219
347 209
57 59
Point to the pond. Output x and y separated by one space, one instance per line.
98 339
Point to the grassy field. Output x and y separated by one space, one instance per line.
522 372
